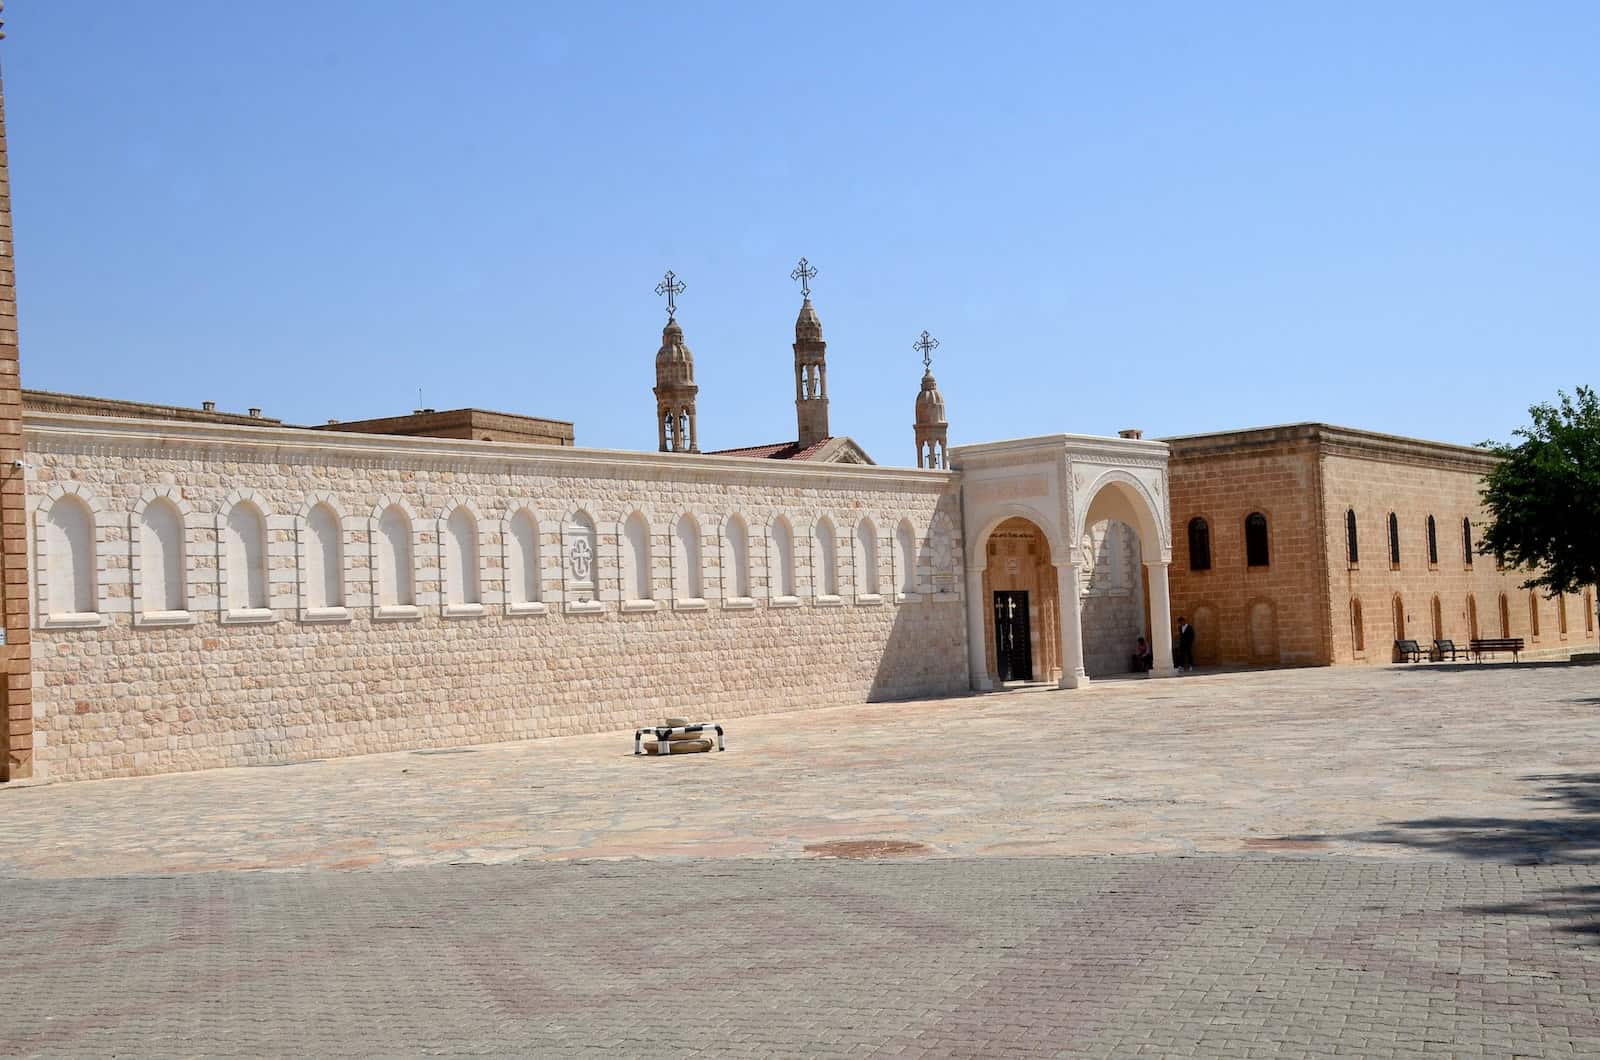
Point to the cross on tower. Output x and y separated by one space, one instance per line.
804 272
927 344
670 286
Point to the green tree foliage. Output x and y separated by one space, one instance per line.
1544 497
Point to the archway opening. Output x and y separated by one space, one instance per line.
1121 533
1022 639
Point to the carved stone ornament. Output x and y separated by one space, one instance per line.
581 560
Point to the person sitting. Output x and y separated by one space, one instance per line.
1143 658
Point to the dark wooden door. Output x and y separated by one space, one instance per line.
1013 648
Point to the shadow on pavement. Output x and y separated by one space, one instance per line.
1578 905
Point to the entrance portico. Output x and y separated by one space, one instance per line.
1064 524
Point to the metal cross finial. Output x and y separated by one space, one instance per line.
670 286
927 344
804 272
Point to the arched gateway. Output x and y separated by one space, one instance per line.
1068 542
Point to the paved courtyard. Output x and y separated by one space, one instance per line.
1382 862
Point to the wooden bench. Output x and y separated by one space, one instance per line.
1482 646
1443 649
1408 650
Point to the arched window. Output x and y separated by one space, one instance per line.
1358 627
1505 616
69 548
1438 619
826 574
161 559
1472 616
1352 548
1255 540
1561 615
866 558
461 558
1533 614
905 540
324 554
636 580
522 560
1433 543
1394 542
738 573
1399 618
246 535
686 569
1466 541
1199 544
782 573
397 585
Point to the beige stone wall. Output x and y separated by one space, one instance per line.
1413 486
129 691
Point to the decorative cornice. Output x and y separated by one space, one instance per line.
1330 440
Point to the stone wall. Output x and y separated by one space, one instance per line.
258 665
1113 599
16 693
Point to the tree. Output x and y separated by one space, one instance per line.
1544 496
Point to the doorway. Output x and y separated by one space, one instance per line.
1013 645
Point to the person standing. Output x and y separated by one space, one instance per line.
1185 659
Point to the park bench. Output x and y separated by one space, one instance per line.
1489 645
1408 650
1447 648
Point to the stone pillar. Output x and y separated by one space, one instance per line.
16 669
1072 672
977 632
1160 617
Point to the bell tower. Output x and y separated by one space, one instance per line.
675 388
931 426
810 365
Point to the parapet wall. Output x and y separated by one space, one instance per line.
211 595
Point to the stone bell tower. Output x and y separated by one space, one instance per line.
931 426
675 389
810 365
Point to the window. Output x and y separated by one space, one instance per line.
738 573
686 569
1438 619
324 559
1561 615
826 574
1466 541
1505 616
396 573
1352 548
522 560
461 559
1255 540
1199 544
636 581
1399 618
161 558
905 540
246 535
1394 542
69 548
1533 614
1472 616
866 558
1358 629
1588 611
782 557
1433 543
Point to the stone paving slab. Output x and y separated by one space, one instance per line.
1206 956
1493 762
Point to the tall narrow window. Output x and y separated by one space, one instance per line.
738 573
866 558
1394 542
522 560
1358 628
1352 548
1433 543
1466 541
1399 618
905 540
1438 619
826 574
396 572
461 559
1255 540
1588 611
324 553
69 546
1472 616
686 560
1533 614
636 559
246 535
1505 616
1561 615
782 573
1199 544
161 558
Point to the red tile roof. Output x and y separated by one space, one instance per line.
775 451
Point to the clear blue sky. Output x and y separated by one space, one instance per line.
1182 217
